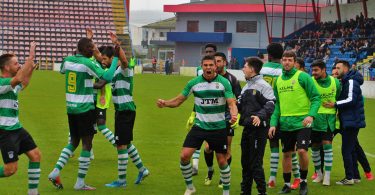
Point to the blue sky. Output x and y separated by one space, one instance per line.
153 4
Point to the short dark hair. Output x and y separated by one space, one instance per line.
275 50
108 51
289 54
319 63
101 48
208 58
256 63
83 46
211 45
4 59
344 62
221 54
300 62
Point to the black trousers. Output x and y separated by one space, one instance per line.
361 157
348 150
253 143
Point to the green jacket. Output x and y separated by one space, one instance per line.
291 123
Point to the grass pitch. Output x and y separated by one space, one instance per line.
159 134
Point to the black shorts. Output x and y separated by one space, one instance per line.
216 139
14 143
82 124
230 130
318 136
100 113
290 139
124 123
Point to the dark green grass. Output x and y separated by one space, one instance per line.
159 134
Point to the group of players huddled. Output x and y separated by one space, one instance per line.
278 102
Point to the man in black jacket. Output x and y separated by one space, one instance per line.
352 117
256 105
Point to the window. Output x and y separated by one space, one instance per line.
246 26
220 26
192 26
161 34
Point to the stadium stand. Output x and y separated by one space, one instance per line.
351 40
58 25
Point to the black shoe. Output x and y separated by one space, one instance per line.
303 188
210 174
286 190
195 171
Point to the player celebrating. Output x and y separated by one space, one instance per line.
79 71
14 139
122 95
212 92
221 63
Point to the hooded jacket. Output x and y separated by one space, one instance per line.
350 102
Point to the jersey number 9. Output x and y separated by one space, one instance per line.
72 81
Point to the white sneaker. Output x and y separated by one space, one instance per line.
345 182
190 191
357 180
326 181
84 187
318 179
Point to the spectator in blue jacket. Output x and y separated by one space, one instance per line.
352 117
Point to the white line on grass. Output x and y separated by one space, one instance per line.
370 155
367 154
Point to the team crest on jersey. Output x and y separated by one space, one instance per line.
217 85
293 82
254 92
11 154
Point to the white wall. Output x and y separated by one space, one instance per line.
348 11
239 40
136 33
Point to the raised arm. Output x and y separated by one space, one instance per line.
122 56
29 66
97 54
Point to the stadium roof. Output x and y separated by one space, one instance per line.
169 23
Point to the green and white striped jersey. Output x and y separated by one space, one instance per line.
79 73
209 101
9 105
271 71
122 89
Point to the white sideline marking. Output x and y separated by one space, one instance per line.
370 155
367 154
